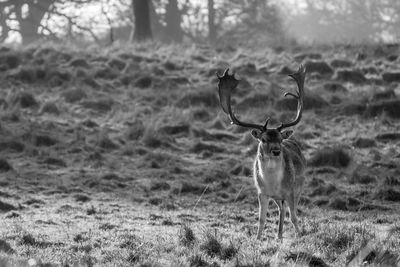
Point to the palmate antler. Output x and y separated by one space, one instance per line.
227 83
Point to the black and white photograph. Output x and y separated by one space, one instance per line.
199 133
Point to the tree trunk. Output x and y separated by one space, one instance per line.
212 31
141 11
173 21
5 29
29 25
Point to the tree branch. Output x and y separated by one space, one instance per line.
75 24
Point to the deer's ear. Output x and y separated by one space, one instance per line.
256 134
286 134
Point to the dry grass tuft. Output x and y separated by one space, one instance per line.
211 245
229 252
186 236
300 258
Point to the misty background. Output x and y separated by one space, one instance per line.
251 22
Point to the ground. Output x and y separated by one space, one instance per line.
122 156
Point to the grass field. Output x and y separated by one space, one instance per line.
121 156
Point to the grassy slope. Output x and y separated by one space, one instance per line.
122 156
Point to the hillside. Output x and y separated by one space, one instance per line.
122 156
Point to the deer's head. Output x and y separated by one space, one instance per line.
270 138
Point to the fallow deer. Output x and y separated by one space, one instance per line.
279 164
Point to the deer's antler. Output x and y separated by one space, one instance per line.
227 83
299 77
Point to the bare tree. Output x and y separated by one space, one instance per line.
30 18
141 11
27 14
30 23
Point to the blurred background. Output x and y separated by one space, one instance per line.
195 21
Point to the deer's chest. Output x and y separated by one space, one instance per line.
269 178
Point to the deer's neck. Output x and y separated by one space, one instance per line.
270 173
269 162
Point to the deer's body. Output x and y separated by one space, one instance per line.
281 179
279 164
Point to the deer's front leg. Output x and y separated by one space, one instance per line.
263 207
292 201
281 206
